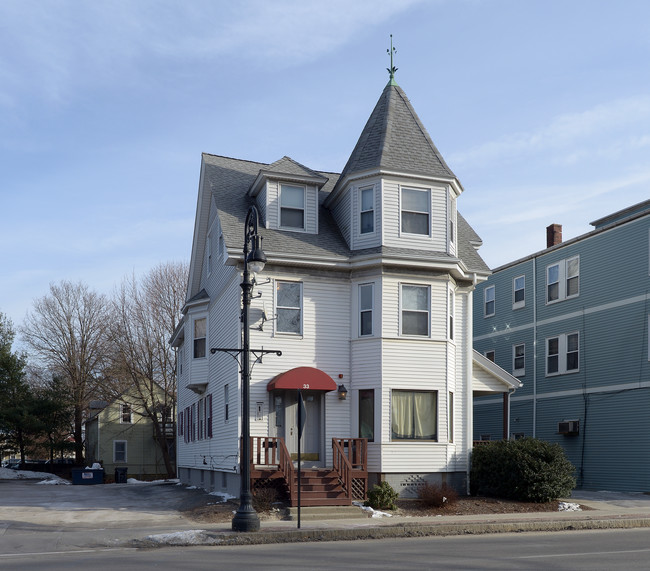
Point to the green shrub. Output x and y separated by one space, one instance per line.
382 497
437 495
528 470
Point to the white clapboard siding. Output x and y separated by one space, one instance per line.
372 239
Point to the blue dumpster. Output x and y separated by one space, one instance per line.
87 476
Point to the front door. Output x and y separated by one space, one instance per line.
311 445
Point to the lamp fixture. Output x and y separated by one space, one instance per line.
343 392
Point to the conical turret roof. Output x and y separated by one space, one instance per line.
395 139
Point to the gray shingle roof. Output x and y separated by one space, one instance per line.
229 180
394 138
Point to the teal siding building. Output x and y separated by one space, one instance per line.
571 322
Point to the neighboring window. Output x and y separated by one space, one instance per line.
126 416
451 310
292 206
563 354
490 355
200 331
181 427
414 415
519 292
563 280
226 403
208 415
450 415
415 211
519 360
488 297
367 414
193 415
119 451
289 307
201 423
367 211
486 437
179 363
366 302
415 310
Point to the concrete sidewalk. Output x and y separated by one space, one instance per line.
38 519
608 510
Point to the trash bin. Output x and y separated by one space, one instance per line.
120 475
87 476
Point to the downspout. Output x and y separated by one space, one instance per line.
534 346
469 397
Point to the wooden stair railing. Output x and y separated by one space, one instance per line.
350 458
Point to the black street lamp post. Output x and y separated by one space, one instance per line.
246 518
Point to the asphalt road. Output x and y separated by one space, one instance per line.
572 550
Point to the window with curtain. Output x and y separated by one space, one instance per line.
414 415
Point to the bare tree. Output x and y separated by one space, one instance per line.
146 313
67 330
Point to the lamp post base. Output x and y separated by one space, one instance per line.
246 519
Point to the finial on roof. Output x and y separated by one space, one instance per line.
392 69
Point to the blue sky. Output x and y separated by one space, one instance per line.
541 108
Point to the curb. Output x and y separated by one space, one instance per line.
396 531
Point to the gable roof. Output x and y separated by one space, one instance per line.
395 139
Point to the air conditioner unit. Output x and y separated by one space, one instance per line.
568 427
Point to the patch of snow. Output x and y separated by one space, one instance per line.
8 474
55 481
568 507
371 511
223 497
151 482
189 537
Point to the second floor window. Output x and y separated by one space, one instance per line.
126 416
563 354
288 300
200 331
366 294
292 207
415 310
518 360
367 211
415 211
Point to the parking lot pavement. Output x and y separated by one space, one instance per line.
37 518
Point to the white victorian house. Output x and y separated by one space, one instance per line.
367 289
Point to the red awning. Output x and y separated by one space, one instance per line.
305 378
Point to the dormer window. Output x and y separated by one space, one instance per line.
367 211
292 207
416 211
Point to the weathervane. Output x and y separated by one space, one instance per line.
392 69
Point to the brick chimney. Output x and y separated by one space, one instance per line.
553 235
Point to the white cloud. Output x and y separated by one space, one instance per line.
570 137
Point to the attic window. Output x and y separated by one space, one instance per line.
292 207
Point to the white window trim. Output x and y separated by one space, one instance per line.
485 301
126 450
562 280
304 208
371 309
301 307
373 210
194 320
562 354
402 209
522 370
401 310
518 304
451 313
130 421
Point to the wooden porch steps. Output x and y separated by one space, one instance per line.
322 513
